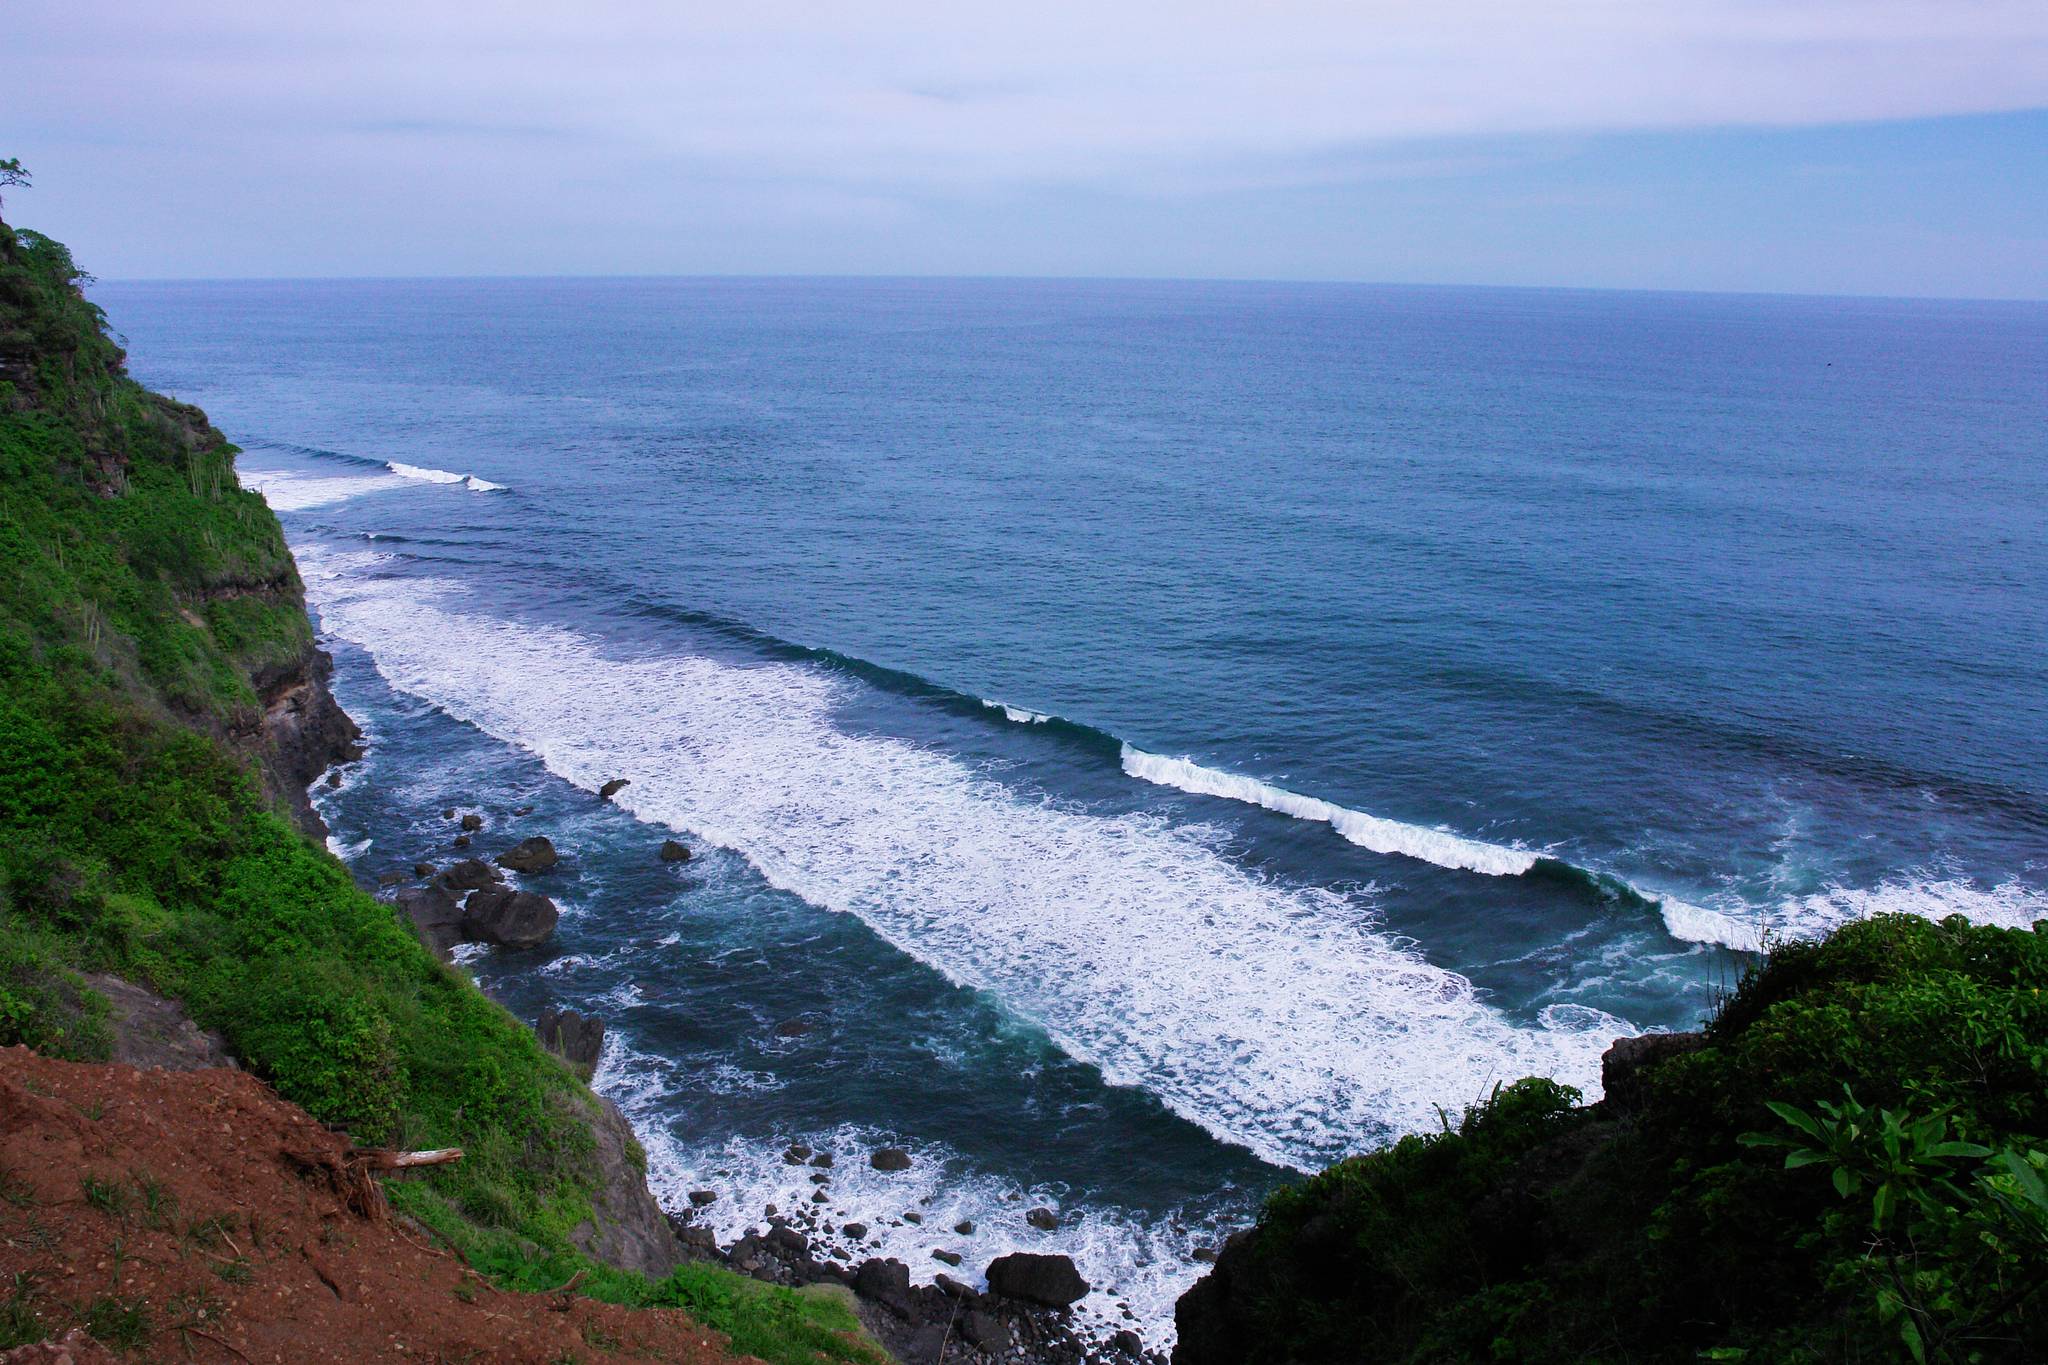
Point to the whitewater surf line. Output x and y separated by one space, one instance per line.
1276 1017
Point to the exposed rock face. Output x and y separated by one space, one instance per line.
508 918
612 788
632 1232
1049 1280
152 1032
435 918
304 731
575 1038
1624 1066
530 855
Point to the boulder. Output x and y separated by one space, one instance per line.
965 1227
886 1283
1051 1281
422 869
575 1038
890 1159
949 1257
508 918
459 841
856 1231
468 875
1042 1218
673 852
434 916
1129 1342
699 1198
822 1159
391 878
472 822
612 788
530 855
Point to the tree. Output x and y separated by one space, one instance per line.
12 173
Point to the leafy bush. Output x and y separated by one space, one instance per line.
1909 1222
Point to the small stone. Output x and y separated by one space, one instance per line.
448 814
949 1257
913 1217
797 1155
856 1230
472 821
1129 1342
819 1177
1042 1218
699 1198
890 1159
673 852
965 1227
820 1197
822 1159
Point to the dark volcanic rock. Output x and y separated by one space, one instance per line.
530 855
949 1257
435 917
985 1330
1129 1342
460 841
575 1038
472 821
1026 1275
612 788
422 869
1042 1218
1624 1066
673 852
699 1198
886 1283
468 875
856 1231
511 919
890 1159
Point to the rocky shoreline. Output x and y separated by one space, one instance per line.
1024 1317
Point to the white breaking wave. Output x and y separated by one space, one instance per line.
1438 846
290 490
2010 905
424 475
1274 1016
1016 714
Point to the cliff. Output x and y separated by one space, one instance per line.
1849 1164
162 708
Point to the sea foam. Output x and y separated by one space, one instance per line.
1275 1016
1132 1259
1438 846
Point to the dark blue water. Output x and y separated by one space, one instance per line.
1142 738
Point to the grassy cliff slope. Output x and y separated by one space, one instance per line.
161 708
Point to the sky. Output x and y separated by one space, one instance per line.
1812 146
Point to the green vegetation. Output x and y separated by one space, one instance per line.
144 599
1850 1169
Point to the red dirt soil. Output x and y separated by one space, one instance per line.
195 1216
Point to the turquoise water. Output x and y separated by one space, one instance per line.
1144 739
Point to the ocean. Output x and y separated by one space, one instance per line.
1146 740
